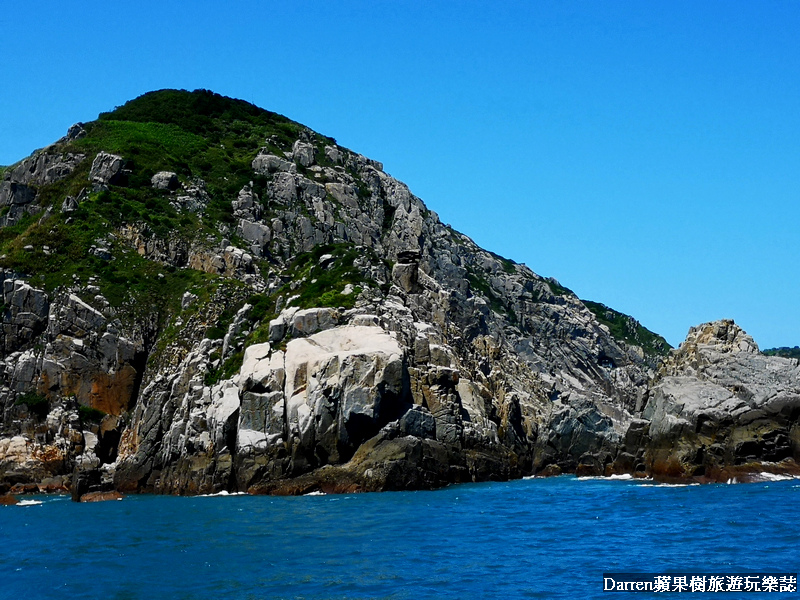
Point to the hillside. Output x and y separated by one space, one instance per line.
783 351
203 295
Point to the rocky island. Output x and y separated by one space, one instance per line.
200 295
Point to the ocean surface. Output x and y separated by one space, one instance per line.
534 538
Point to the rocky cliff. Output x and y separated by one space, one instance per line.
720 409
200 295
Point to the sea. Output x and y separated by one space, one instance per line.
531 538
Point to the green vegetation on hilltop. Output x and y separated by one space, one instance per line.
783 351
196 134
148 148
627 329
204 113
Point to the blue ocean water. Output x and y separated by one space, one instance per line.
535 538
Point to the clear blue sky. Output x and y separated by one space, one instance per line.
646 154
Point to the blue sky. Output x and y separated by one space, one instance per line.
646 154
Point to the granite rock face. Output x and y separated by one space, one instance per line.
318 400
334 334
502 371
61 356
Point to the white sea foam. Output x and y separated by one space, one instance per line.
675 484
774 477
29 502
222 493
315 493
623 477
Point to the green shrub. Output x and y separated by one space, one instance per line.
557 288
37 404
88 414
215 333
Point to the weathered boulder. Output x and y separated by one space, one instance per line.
195 197
343 193
333 154
266 163
107 169
418 422
256 233
75 132
247 205
165 180
303 153
229 261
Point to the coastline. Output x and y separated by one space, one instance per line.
337 480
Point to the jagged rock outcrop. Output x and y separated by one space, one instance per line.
61 355
20 184
718 405
319 400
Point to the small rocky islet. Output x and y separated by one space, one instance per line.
201 296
